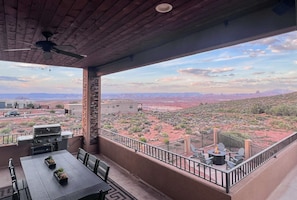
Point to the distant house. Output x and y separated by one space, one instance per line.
107 107
119 106
73 109
17 104
2 104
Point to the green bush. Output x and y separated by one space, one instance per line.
143 139
283 110
59 106
259 108
5 131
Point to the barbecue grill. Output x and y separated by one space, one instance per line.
46 138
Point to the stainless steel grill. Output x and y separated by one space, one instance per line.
46 138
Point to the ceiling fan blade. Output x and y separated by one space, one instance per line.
65 47
23 49
68 53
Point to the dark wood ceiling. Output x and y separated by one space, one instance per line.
108 30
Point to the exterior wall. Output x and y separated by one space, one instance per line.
180 185
74 109
107 107
263 181
116 106
165 178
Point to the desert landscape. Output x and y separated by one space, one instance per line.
264 120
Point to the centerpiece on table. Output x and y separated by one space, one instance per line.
50 162
61 176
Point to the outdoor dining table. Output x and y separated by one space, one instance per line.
44 186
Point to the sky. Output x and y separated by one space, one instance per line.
256 66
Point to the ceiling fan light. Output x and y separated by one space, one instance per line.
164 8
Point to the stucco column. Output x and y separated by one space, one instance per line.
247 148
215 136
91 109
187 144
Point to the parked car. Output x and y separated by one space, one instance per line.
11 113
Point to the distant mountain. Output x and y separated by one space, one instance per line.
139 96
41 96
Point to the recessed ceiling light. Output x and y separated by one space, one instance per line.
164 8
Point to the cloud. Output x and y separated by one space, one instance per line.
287 42
170 79
247 67
9 78
258 73
205 72
254 52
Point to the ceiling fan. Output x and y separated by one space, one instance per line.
48 47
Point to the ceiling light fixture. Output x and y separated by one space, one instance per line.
164 8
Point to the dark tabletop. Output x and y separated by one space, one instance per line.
44 186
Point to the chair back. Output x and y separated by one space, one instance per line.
193 149
11 170
10 163
240 152
103 170
15 191
92 163
221 147
82 155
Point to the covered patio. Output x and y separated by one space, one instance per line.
104 37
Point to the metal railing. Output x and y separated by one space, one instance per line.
244 169
223 178
11 138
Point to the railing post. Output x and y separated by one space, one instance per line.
227 182
247 148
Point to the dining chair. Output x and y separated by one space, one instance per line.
21 184
82 155
18 194
103 170
92 163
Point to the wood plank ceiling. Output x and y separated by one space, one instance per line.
106 30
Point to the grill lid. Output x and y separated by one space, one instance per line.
46 130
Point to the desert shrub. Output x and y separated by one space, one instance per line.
59 106
135 129
52 111
30 124
3 124
283 110
143 139
259 108
5 131
107 126
281 125
189 131
158 128
164 134
166 141
30 106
